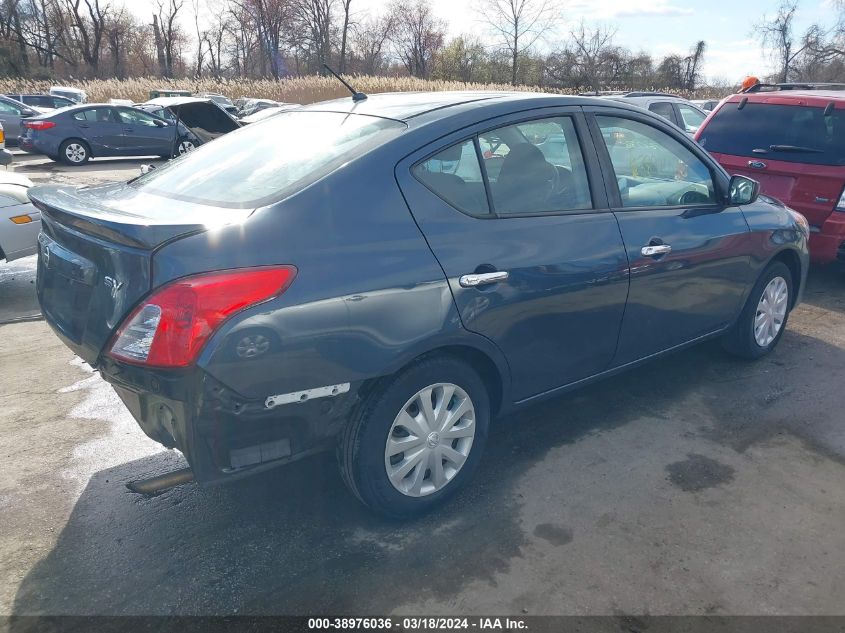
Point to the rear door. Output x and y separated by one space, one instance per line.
688 251
666 109
515 212
794 151
100 127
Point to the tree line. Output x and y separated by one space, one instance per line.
524 42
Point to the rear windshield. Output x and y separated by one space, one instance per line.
798 134
265 161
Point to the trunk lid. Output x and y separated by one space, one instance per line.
95 253
812 190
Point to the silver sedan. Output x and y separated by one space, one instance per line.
20 221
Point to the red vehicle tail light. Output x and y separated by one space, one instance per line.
39 125
170 328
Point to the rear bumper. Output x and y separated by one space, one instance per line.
828 243
221 434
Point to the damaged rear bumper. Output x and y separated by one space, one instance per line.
222 434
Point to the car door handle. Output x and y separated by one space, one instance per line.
653 250
83 125
480 279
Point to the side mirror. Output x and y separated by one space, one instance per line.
743 190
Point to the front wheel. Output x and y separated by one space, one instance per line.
763 319
185 145
418 439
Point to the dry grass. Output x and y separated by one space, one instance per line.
294 90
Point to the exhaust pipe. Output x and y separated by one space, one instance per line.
155 485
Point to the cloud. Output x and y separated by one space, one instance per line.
609 9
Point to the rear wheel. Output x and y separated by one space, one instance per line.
763 319
74 152
417 439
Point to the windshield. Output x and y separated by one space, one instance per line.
266 161
798 134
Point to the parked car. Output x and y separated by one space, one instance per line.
705 104
260 115
221 100
166 92
681 112
20 222
200 120
43 102
251 106
412 266
78 133
5 155
74 94
11 114
791 138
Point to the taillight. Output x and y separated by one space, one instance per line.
39 125
170 328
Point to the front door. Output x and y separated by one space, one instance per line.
143 135
687 250
515 213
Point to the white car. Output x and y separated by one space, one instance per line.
679 111
20 221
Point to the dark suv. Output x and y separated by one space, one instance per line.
791 139
401 269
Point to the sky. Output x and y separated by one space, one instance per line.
658 27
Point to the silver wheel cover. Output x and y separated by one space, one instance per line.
430 440
75 152
771 311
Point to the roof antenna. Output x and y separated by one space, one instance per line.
356 96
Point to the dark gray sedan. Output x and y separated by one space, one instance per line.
382 277
75 134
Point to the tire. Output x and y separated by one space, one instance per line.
363 447
74 152
184 145
743 339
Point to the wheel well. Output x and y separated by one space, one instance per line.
791 260
480 362
78 140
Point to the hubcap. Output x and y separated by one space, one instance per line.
252 346
430 440
75 152
185 146
771 311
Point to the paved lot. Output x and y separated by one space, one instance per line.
697 484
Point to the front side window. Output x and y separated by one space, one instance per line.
536 167
136 117
652 168
691 118
248 168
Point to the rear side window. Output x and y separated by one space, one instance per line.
798 134
454 174
261 163
664 109
96 115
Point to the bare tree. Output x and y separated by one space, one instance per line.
590 48
344 33
167 33
313 20
518 24
417 35
777 34
692 65
88 27
369 41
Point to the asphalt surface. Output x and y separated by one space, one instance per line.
697 484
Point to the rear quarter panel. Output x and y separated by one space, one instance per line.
369 296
